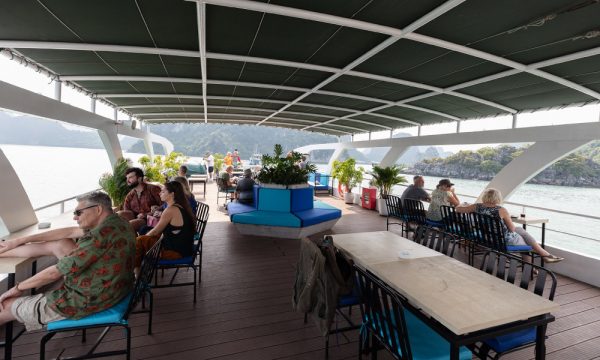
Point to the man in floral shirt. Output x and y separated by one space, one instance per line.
97 268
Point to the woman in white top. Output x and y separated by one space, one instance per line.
442 195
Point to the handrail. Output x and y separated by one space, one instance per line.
60 202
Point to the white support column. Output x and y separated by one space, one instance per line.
57 90
148 144
108 135
93 105
419 130
115 114
514 121
535 159
369 136
393 154
15 208
391 134
458 126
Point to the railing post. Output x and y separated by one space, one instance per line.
58 90
62 207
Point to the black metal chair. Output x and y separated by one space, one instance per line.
395 213
435 239
459 225
118 315
190 261
389 323
414 212
223 189
505 266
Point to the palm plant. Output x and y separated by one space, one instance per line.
384 178
115 184
284 170
347 173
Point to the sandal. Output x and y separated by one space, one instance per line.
552 258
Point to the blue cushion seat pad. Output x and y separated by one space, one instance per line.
274 200
113 315
316 216
302 199
238 208
188 260
512 340
438 224
317 204
269 218
519 248
425 343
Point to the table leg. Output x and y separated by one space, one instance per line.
543 235
540 342
204 194
8 328
454 352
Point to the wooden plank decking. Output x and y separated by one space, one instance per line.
244 306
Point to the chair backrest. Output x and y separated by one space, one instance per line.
505 266
394 207
435 239
220 184
142 283
201 220
489 231
383 314
457 224
414 211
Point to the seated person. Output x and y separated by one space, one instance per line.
416 191
183 171
244 190
138 203
228 180
188 193
177 225
228 159
95 262
491 200
442 195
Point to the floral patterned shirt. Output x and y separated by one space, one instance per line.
98 273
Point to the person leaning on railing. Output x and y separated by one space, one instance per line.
490 205
95 262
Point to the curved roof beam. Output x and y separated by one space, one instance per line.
407 33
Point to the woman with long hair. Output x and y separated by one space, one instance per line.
188 193
176 225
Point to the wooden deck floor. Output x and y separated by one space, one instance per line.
244 306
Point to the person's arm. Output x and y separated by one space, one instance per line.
505 216
44 277
452 198
50 235
127 201
164 220
466 208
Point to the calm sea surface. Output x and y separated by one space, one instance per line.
51 174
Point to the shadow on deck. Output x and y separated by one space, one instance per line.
244 306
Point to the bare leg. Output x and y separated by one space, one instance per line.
6 315
58 248
529 240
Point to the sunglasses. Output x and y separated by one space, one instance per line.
80 211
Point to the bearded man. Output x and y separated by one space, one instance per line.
140 200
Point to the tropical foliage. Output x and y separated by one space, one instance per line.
386 177
347 173
115 184
162 168
284 170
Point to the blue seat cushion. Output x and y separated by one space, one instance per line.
425 343
317 204
519 248
510 341
270 218
302 199
188 260
437 224
274 200
114 315
238 208
316 216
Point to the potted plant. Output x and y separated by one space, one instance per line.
348 176
159 168
115 184
384 178
279 171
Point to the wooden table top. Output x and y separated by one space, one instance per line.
380 246
9 265
462 298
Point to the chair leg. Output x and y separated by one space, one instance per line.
305 318
195 287
83 335
128 332
43 342
151 310
327 347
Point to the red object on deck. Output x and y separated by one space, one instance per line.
369 198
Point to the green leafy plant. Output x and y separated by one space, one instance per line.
384 178
161 168
218 160
347 173
115 184
284 170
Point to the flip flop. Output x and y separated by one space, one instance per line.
552 258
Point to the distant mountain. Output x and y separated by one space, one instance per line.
30 130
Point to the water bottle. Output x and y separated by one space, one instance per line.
523 212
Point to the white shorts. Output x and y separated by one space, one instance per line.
34 312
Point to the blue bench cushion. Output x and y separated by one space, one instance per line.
437 224
302 199
519 248
189 260
317 204
316 216
238 208
274 200
511 341
269 218
114 315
